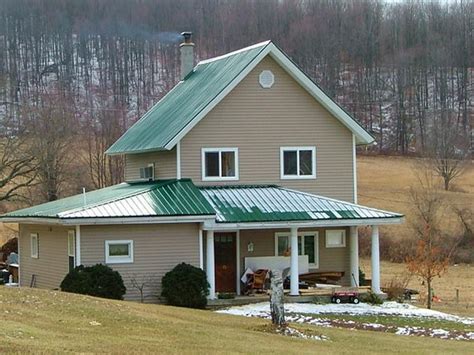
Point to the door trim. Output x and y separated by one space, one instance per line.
237 254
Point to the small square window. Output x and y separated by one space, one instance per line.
298 162
34 245
219 164
118 251
335 238
147 172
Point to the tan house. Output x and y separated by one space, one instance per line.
245 163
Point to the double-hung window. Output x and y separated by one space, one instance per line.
308 244
298 162
118 251
71 249
220 164
34 243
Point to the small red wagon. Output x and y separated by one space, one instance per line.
345 296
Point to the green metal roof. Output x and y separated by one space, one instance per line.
240 204
184 102
144 199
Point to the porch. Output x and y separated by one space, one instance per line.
269 227
316 295
312 261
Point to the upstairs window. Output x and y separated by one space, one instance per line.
147 172
298 163
220 164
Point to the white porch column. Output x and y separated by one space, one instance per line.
294 278
354 256
375 260
201 251
210 265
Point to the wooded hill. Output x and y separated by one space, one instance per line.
75 74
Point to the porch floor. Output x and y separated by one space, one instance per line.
313 295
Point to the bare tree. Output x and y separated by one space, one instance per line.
17 167
433 249
141 282
50 126
447 150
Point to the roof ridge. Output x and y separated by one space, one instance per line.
337 201
132 194
241 50
236 186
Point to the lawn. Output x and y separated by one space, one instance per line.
459 277
51 321
385 182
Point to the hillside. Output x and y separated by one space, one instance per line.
51 321
385 182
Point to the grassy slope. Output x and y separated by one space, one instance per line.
385 182
37 320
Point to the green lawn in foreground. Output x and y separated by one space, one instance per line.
50 321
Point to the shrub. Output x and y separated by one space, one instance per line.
372 298
185 286
226 296
98 280
10 246
395 289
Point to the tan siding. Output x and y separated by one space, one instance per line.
52 263
165 164
157 249
330 259
259 121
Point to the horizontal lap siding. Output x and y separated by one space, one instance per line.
330 259
157 249
259 121
52 263
165 164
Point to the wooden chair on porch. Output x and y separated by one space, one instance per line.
256 281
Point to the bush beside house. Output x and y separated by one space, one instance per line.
98 280
185 286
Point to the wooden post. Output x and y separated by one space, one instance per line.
277 308
457 296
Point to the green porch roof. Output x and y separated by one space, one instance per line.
184 102
240 204
161 198
180 198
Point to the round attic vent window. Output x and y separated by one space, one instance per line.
266 79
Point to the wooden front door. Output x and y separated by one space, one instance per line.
225 259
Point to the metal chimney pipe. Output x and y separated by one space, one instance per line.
187 54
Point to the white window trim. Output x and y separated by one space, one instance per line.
298 176
149 165
315 234
335 245
34 237
72 234
219 178
118 259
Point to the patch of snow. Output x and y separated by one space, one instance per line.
288 331
262 310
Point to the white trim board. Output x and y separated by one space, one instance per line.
109 220
303 224
268 48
